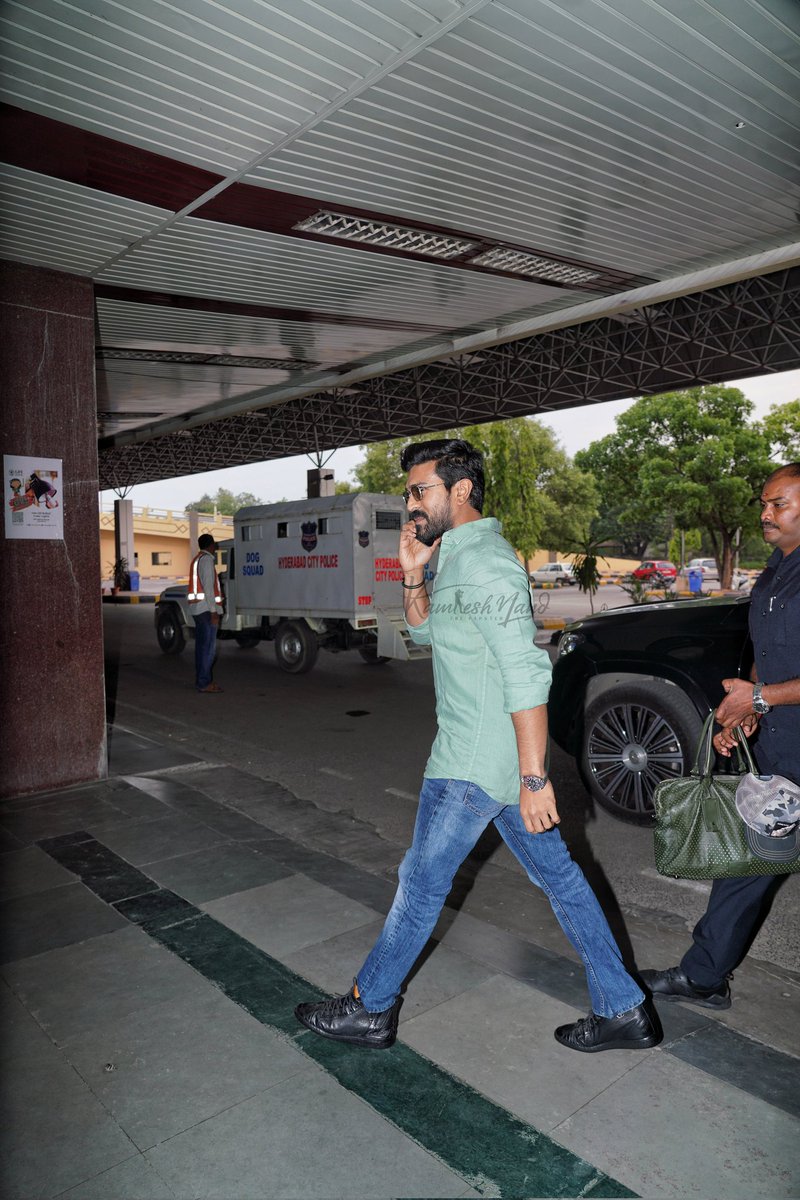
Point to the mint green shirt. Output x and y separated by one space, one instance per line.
485 663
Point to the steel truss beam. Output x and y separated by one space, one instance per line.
747 328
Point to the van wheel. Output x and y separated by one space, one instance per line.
633 737
169 632
296 647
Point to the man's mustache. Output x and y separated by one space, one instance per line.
768 525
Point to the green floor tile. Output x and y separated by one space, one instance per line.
495 1152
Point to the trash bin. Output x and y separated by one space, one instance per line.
695 580
134 581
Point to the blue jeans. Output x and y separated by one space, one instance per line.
452 815
205 646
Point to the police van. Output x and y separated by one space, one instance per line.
307 575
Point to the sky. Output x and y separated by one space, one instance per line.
285 478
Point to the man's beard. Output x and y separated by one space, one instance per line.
434 526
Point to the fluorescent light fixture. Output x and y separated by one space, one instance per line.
379 233
518 263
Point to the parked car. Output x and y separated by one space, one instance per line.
632 686
562 574
707 565
656 570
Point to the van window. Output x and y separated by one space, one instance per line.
252 533
322 525
387 520
283 529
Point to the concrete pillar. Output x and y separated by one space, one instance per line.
123 532
194 533
51 645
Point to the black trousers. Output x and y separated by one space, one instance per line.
723 934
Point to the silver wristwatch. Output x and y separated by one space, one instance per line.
534 783
760 705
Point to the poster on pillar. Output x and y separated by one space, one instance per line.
34 490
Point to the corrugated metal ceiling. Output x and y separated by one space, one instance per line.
169 150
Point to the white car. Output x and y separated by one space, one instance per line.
707 565
558 573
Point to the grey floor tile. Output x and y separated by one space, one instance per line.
311 1140
100 980
20 1035
54 1132
180 1063
439 975
58 917
58 817
8 842
284 916
30 870
134 1179
498 1037
185 799
129 752
217 871
146 843
667 1130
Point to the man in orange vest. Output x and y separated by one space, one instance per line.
205 600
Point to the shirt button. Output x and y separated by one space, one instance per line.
763 654
772 728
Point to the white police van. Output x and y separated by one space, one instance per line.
305 575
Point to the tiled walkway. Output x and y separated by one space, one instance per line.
158 930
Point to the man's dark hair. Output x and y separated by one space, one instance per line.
205 541
454 459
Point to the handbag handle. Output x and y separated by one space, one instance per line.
744 756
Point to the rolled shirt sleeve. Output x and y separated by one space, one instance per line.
421 634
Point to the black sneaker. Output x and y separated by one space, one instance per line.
675 984
345 1019
638 1029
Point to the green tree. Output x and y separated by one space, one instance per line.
622 514
694 456
585 558
224 502
692 545
782 427
532 487
542 500
380 470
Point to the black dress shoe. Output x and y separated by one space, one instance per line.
638 1029
345 1019
675 984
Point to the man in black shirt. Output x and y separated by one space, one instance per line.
769 704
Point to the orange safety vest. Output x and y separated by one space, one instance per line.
195 594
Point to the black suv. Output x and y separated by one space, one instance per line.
632 686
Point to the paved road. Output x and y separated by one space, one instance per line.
354 738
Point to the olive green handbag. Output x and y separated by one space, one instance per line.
698 833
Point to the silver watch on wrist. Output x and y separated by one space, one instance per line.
534 783
760 705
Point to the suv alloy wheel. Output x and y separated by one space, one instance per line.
633 737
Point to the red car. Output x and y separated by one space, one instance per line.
657 570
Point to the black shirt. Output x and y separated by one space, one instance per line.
775 630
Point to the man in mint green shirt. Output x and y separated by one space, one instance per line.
488 763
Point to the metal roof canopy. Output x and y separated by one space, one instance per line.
214 167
